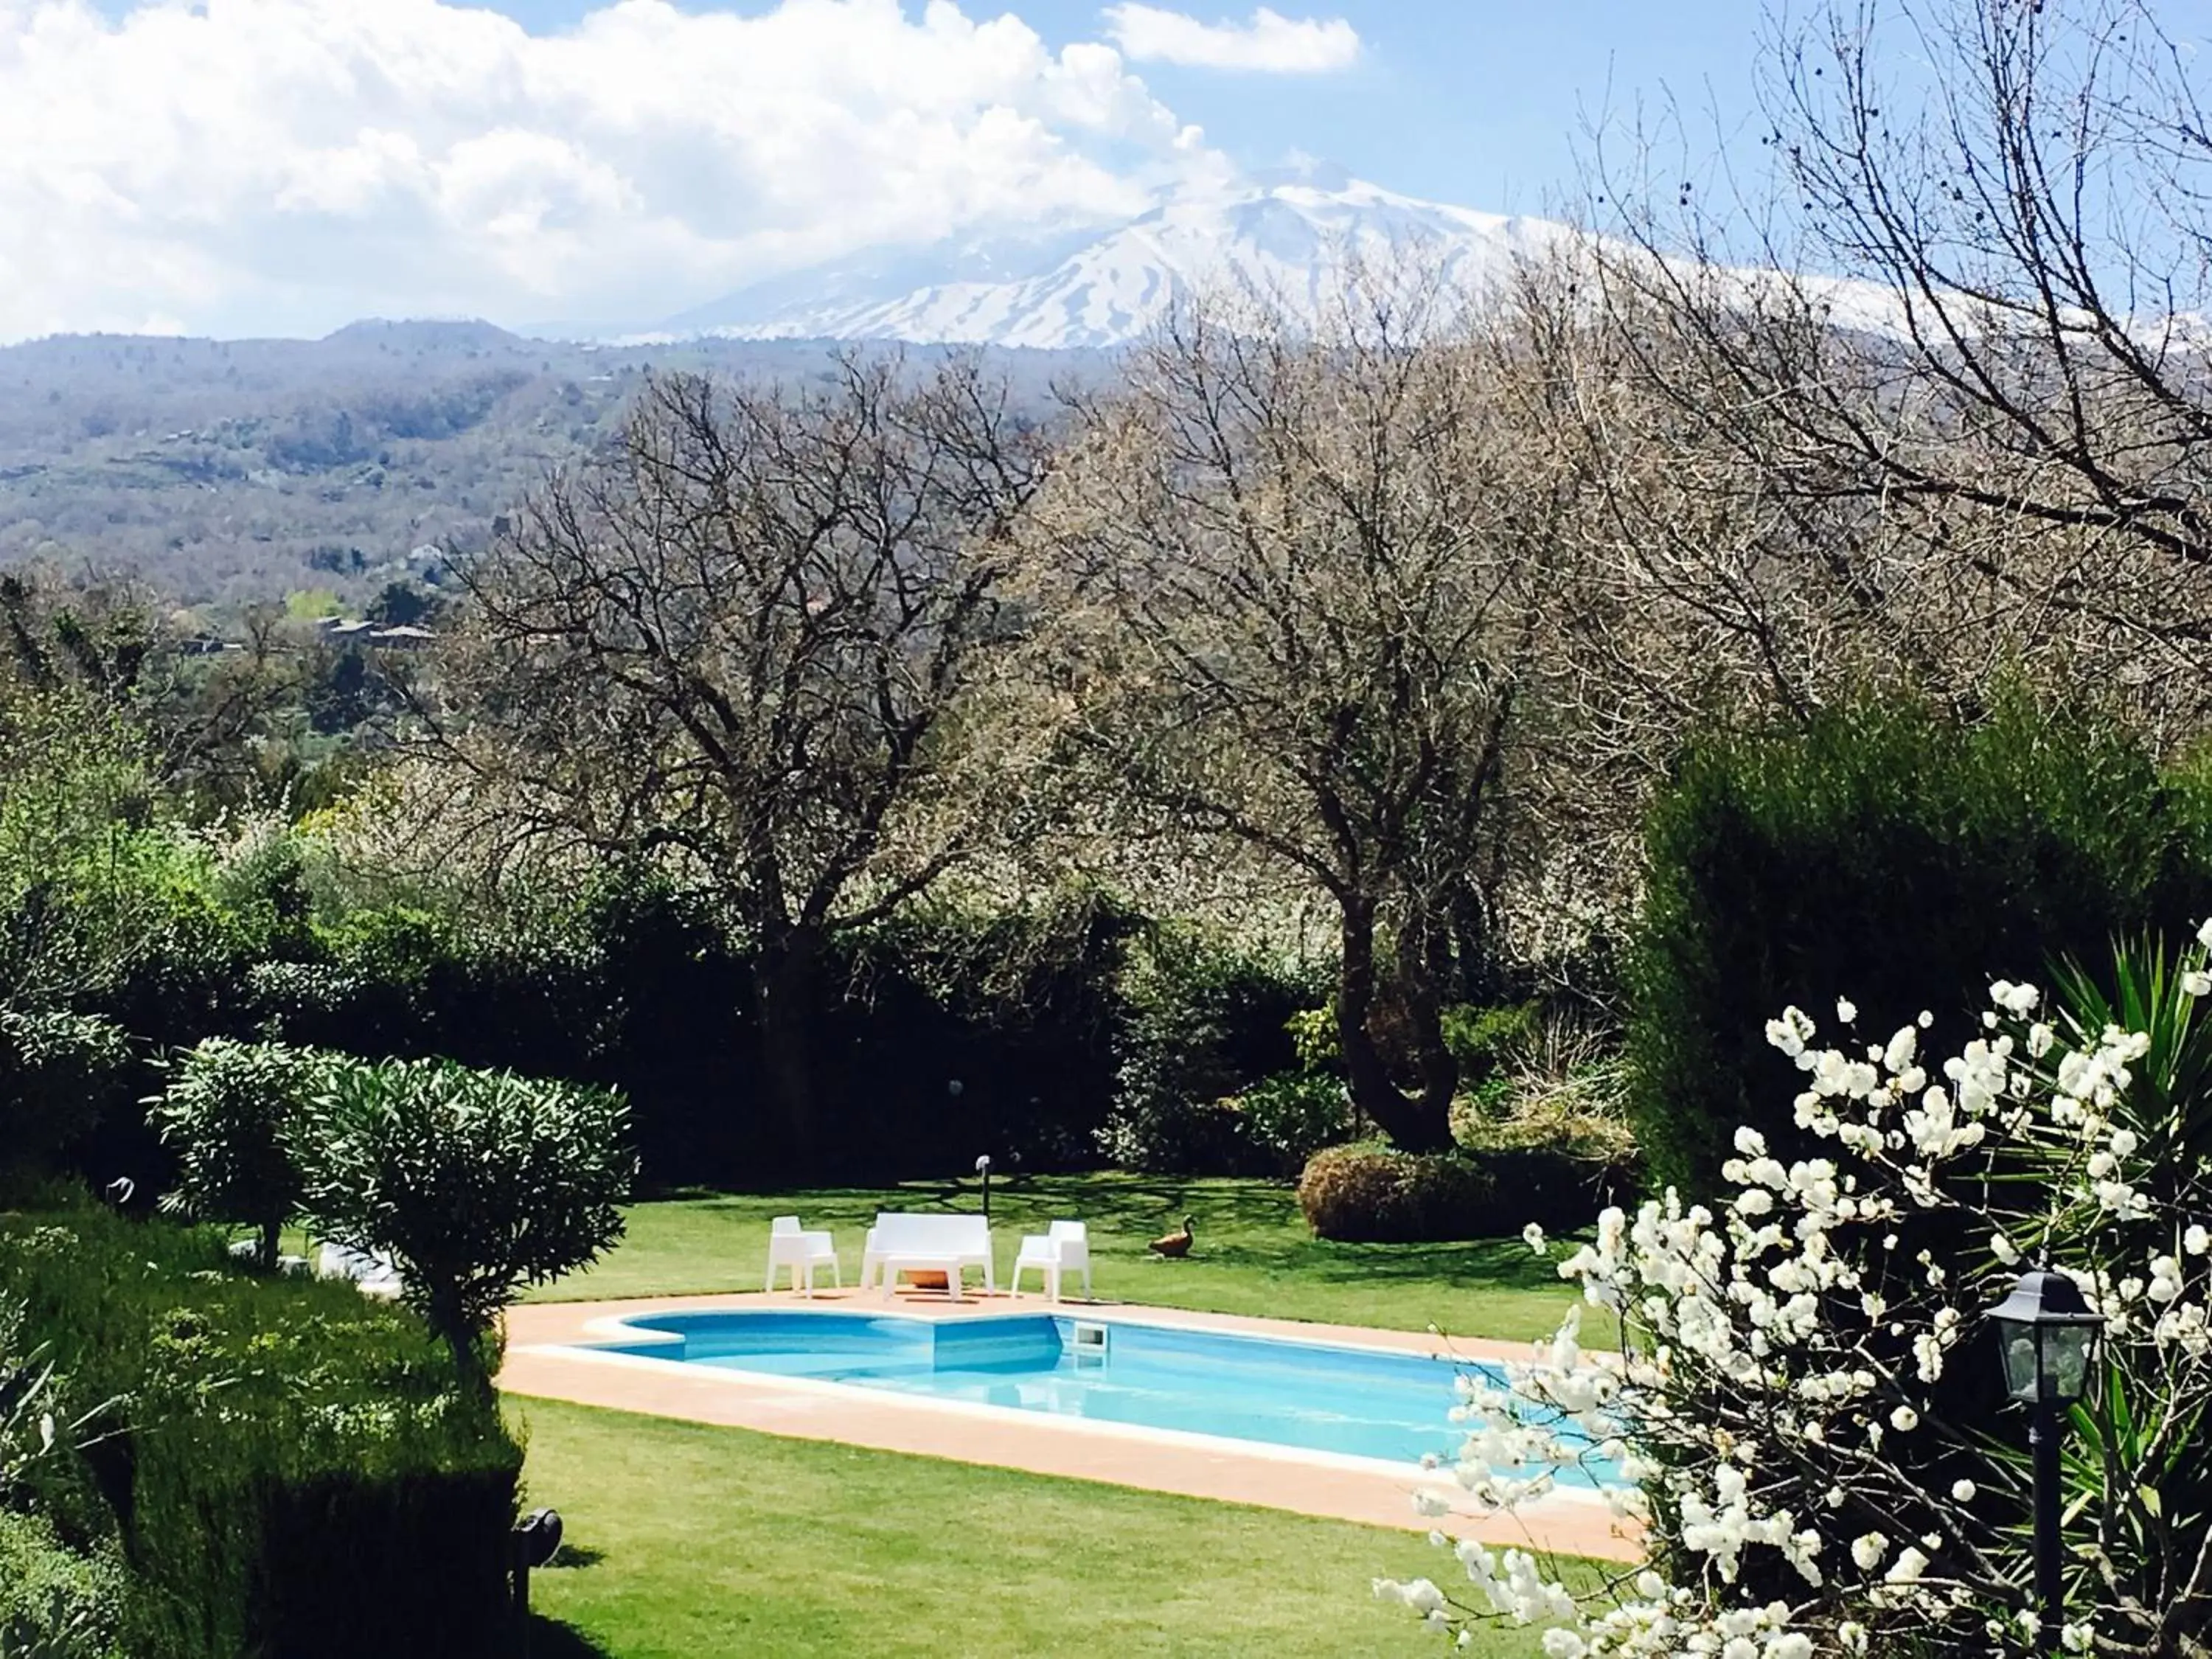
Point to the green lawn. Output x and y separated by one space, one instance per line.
1254 1254
693 1542
688 1542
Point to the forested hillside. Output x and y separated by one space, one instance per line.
233 471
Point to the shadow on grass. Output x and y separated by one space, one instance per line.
549 1638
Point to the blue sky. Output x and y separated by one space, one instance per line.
282 166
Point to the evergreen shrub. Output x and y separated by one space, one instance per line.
1293 1115
1372 1193
1201 1024
1884 850
285 1468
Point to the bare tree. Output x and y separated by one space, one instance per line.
107 637
746 641
1933 402
1295 577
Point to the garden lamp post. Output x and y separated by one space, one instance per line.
2046 1333
984 1168
537 1539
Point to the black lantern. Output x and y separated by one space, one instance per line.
984 1168
2046 1334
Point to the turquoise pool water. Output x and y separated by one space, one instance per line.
1356 1403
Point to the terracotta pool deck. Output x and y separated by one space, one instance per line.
541 1361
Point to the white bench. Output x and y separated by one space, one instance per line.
902 1242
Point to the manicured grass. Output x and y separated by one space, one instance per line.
685 1542
1254 1254
695 1541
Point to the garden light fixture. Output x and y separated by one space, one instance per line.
2046 1336
536 1540
984 1168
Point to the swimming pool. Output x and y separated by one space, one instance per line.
1345 1401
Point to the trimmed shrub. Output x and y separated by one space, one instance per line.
1371 1193
1883 850
232 1116
475 1183
54 1603
287 1470
58 1072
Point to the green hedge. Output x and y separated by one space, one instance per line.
288 1469
635 986
1886 855
1560 1188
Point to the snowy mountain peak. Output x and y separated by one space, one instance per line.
1289 231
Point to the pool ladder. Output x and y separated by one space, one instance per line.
1087 1341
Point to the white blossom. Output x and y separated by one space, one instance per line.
1777 1344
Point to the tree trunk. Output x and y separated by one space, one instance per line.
442 1310
1417 1125
271 1234
1423 963
786 975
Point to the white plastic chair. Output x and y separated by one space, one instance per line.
1063 1247
788 1245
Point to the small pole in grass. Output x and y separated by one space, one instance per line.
984 1168
536 1537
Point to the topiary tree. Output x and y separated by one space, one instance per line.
473 1184
235 1115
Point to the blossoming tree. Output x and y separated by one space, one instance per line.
1805 1400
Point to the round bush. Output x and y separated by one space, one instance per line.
1373 1194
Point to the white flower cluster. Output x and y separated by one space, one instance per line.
1778 1397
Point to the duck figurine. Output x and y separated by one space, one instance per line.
1175 1245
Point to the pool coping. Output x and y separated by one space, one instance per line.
551 1355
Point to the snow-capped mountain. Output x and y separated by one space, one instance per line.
1290 235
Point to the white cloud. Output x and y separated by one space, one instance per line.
1270 42
282 166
